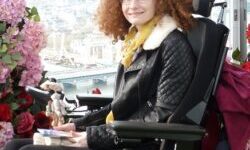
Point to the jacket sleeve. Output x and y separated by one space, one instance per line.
101 137
178 64
93 118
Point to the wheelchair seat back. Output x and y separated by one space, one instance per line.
208 40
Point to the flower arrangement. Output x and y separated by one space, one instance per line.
22 37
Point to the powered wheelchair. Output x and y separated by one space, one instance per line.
186 125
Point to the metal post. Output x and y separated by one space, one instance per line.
235 26
243 26
238 27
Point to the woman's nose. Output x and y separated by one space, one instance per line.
133 3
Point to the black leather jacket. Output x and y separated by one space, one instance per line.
149 90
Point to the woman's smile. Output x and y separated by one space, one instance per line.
135 14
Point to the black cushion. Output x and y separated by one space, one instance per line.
206 40
203 7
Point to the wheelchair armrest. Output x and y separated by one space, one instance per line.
37 93
94 100
140 130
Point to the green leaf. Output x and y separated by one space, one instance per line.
22 100
15 121
14 106
7 41
29 17
27 9
16 56
2 27
36 18
3 48
12 65
236 54
34 11
7 59
35 109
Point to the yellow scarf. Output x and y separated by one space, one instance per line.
135 39
132 42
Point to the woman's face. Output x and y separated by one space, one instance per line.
138 12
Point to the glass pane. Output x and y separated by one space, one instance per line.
215 15
77 54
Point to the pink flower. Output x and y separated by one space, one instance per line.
4 73
30 77
24 43
25 123
12 11
34 40
6 133
34 37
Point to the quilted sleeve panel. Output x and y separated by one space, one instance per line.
100 137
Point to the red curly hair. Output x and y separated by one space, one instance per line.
112 22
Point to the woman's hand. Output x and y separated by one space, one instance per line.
79 139
66 127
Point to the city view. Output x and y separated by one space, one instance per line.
77 54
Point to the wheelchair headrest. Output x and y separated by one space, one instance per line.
203 7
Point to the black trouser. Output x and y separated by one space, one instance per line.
27 144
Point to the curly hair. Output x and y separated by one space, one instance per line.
112 22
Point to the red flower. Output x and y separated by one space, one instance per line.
25 122
246 66
28 100
3 94
42 121
248 33
28 134
5 113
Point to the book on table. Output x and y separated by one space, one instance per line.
54 137
54 133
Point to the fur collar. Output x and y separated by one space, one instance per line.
165 26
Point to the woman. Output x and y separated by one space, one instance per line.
155 71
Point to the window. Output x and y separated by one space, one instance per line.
82 58
215 14
236 18
77 54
